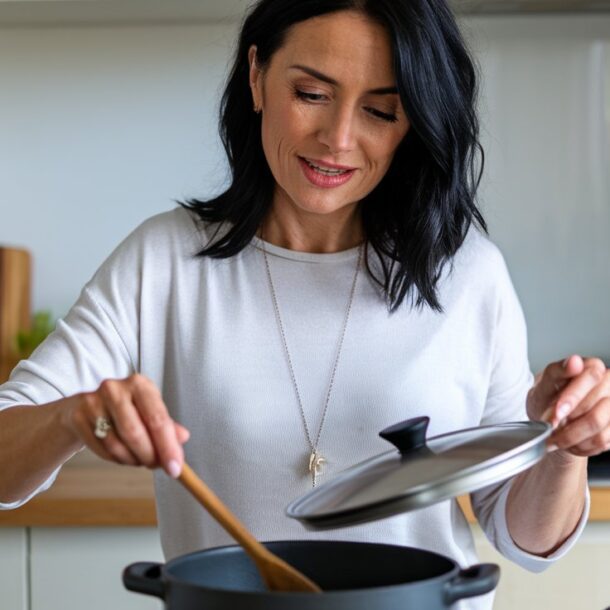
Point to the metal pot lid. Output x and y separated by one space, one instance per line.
422 472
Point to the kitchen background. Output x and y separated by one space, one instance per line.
104 125
108 113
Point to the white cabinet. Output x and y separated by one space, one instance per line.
80 568
13 568
578 581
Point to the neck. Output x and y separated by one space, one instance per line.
318 233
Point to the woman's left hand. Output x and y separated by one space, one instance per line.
574 396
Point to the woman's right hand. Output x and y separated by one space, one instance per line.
142 432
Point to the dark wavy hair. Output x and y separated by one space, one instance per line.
418 216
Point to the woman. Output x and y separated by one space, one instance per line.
342 286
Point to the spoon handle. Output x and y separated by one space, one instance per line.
214 505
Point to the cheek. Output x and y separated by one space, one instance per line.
381 153
394 141
276 148
282 134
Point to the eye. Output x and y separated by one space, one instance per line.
310 97
384 116
319 97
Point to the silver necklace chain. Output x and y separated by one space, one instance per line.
316 460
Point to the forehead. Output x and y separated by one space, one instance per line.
344 44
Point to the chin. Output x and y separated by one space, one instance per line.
322 209
323 206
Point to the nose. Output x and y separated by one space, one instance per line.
338 133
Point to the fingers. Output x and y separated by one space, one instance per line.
588 434
112 449
574 396
557 374
182 433
141 432
159 425
548 384
126 421
588 389
579 393
583 407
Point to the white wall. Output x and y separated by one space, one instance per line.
100 127
546 190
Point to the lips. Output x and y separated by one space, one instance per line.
325 175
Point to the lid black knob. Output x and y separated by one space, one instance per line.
408 435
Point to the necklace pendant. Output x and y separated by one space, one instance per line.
316 462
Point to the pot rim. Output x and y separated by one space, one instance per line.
448 575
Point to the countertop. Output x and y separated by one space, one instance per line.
103 494
90 495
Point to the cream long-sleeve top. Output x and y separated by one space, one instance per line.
205 332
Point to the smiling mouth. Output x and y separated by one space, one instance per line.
325 170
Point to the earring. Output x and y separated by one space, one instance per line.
257 109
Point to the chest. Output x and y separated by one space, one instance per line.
232 383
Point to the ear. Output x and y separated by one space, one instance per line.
256 80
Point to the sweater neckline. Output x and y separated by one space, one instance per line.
307 257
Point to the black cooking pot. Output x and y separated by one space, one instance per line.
352 575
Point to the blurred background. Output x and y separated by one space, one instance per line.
108 113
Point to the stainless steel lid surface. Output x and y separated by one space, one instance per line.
420 472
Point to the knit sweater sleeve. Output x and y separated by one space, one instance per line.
97 339
511 378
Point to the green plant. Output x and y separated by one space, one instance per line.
28 340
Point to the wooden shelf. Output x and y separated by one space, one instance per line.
98 495
15 272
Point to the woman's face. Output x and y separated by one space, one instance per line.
328 99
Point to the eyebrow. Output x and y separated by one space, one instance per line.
332 81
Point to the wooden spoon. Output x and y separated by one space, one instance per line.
277 574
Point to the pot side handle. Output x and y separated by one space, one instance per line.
475 580
144 577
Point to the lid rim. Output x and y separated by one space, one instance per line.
475 477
